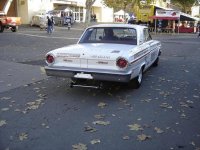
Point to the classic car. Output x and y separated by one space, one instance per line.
11 23
106 52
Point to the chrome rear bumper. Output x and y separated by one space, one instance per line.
95 75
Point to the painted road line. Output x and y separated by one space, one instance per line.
49 36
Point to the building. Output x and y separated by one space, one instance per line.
196 9
27 8
11 5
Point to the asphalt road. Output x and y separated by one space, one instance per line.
43 113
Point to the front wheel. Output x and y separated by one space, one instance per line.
14 29
137 81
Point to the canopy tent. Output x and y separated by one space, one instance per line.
159 7
64 8
121 12
183 16
187 17
164 18
166 15
120 16
59 11
172 15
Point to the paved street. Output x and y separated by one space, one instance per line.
43 113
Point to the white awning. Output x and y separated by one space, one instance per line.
164 8
187 17
183 16
121 12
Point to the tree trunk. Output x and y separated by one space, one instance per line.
88 5
87 16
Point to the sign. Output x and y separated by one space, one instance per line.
168 13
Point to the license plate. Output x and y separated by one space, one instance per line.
83 76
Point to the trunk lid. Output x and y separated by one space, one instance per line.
93 56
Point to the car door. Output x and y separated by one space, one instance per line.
148 42
153 47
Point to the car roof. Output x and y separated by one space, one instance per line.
119 26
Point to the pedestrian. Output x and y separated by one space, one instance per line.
94 17
53 22
49 25
198 29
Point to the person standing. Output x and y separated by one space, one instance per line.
49 25
53 22
198 29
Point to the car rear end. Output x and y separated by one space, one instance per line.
96 61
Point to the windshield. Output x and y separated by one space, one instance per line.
110 35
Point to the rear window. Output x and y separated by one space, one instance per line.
110 35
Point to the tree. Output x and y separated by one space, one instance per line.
126 5
118 4
184 4
88 4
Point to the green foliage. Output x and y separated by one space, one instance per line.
119 4
126 5
184 4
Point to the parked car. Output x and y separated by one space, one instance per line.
11 23
106 52
39 20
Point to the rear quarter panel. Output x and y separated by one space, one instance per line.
14 20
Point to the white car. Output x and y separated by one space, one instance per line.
39 20
106 52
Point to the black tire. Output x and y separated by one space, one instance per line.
155 63
137 81
14 29
1 27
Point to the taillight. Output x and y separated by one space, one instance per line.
122 63
50 58
4 21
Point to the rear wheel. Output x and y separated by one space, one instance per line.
155 63
14 29
137 81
